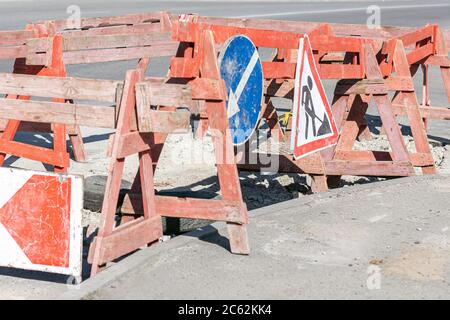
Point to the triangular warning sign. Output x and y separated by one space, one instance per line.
313 127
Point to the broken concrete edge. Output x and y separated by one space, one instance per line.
88 288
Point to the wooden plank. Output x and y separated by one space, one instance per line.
399 83
369 168
438 60
53 112
132 143
36 153
184 67
417 159
15 37
364 86
148 17
191 208
57 87
278 70
149 120
28 126
260 37
127 238
411 38
143 106
90 42
208 89
169 121
309 164
107 55
138 28
284 70
420 53
13 52
120 54
163 94
340 71
327 43
442 113
352 30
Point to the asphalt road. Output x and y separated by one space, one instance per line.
16 14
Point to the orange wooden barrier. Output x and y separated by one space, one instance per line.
131 137
99 40
360 80
230 208
58 157
367 64
422 40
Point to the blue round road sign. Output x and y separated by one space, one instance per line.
241 69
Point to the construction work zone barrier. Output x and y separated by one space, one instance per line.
367 64
204 94
361 78
430 45
128 140
46 48
15 49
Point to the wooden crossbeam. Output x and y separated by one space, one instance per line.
82 41
56 87
15 37
85 23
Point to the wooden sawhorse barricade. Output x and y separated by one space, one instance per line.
17 49
361 80
205 94
427 46
46 48
111 242
424 47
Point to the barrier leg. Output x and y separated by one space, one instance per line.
340 112
226 166
423 156
58 156
385 110
441 50
112 242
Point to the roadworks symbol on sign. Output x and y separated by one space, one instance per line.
313 126
40 221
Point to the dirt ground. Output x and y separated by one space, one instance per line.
187 165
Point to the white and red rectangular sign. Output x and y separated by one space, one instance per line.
40 221
313 126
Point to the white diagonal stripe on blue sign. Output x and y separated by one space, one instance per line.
233 106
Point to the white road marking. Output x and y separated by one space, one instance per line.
233 97
303 12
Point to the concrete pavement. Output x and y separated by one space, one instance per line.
379 241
